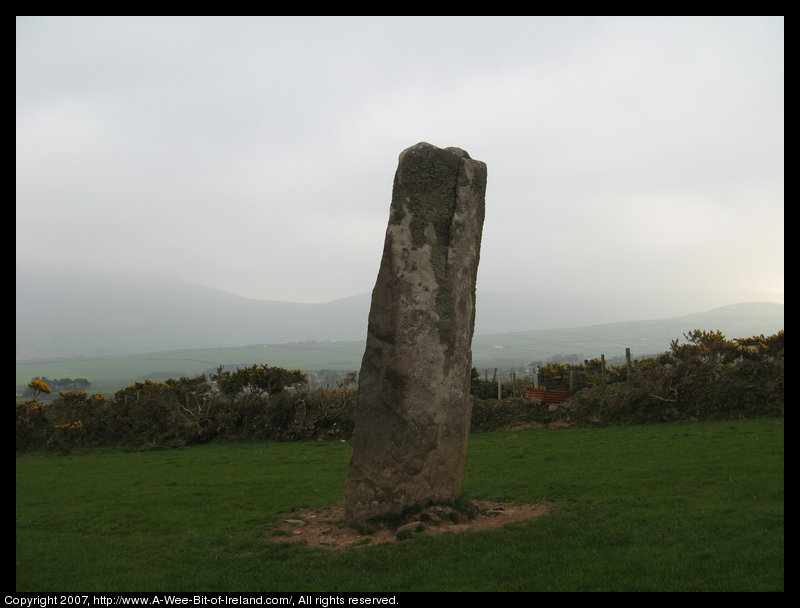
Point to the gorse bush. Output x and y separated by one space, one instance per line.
593 372
256 403
705 377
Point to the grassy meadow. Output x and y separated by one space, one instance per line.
680 507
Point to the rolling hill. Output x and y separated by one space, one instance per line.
74 314
502 350
642 337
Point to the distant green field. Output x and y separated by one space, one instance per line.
504 350
113 372
684 507
109 373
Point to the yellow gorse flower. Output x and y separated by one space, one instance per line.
38 386
78 424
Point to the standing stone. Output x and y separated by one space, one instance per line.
413 415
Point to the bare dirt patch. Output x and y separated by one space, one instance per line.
324 527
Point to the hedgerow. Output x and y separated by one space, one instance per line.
705 377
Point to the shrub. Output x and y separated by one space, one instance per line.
706 377
619 404
492 415
31 425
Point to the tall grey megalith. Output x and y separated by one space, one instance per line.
412 419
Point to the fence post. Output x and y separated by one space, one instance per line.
628 362
572 380
603 368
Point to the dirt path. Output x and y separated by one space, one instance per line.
324 527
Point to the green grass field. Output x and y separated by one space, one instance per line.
109 373
685 507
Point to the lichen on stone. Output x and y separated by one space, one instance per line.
412 417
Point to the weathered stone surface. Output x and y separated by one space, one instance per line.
413 415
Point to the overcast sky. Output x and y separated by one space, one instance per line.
256 154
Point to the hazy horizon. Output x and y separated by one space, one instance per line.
736 296
76 314
255 155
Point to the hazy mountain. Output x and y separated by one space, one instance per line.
525 311
72 314
503 351
647 337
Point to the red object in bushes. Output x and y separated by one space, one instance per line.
549 396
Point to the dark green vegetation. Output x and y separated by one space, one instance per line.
657 507
670 507
707 377
256 402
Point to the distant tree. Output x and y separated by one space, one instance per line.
65 384
71 384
